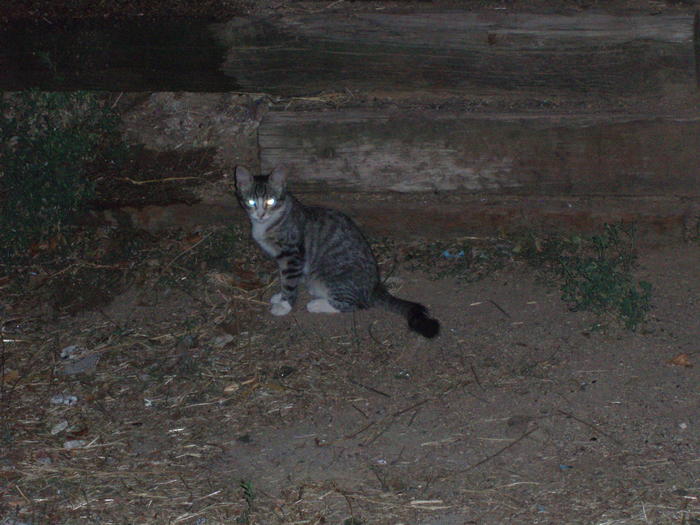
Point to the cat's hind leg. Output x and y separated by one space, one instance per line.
322 302
329 299
321 306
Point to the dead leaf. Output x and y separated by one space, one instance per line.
191 240
46 246
681 360
221 279
247 280
10 376
231 388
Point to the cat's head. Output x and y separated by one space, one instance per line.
263 197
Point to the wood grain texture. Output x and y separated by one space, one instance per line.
444 216
434 151
464 53
460 51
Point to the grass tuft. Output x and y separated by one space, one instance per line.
594 273
48 142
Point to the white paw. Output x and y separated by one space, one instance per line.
281 308
321 306
277 298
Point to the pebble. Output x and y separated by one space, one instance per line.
74 443
222 340
69 351
83 365
64 399
59 427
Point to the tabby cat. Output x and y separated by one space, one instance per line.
321 247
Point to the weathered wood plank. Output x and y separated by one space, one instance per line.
445 216
440 151
462 52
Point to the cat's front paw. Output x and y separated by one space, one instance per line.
281 308
277 298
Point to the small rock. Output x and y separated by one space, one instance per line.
222 340
402 374
64 399
59 427
74 443
84 365
69 352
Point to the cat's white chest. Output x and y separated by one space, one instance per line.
260 236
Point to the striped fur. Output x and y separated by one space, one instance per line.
321 247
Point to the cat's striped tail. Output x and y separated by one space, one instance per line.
416 314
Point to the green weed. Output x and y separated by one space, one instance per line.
249 498
594 273
48 141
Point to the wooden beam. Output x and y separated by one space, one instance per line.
465 53
516 154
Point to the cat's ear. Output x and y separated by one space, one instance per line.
278 178
244 180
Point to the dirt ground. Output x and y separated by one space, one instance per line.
143 380
192 404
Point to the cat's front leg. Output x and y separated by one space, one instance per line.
291 272
280 308
279 305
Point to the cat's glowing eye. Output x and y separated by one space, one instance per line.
251 203
270 202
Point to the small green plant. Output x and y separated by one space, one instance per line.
595 273
47 142
249 498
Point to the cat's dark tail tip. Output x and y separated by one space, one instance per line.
418 321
